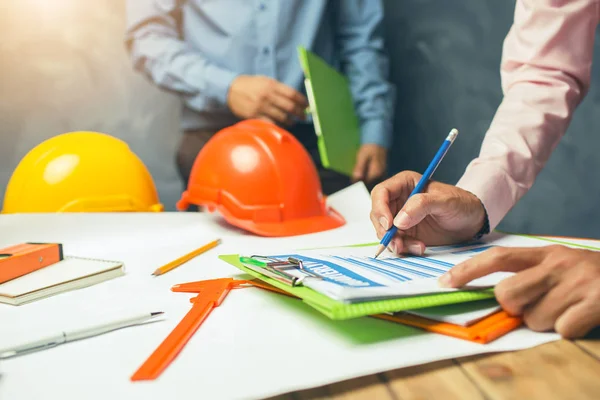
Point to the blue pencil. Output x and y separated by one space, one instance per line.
385 241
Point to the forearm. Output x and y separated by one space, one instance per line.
365 62
171 64
545 74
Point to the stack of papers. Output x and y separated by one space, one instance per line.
348 282
352 274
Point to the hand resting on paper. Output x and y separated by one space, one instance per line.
554 287
443 214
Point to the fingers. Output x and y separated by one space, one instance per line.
401 184
370 163
541 315
420 206
384 197
287 105
578 320
265 118
406 245
388 192
281 102
375 170
400 243
276 114
413 246
379 227
490 261
552 288
296 97
381 214
362 163
531 292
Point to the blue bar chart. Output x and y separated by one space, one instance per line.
399 269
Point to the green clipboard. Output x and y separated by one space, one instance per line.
337 310
332 109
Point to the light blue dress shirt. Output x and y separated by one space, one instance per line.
198 53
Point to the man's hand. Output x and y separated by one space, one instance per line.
554 286
265 98
371 162
442 214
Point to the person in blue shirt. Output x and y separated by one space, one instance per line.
230 60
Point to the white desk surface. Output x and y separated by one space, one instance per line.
256 344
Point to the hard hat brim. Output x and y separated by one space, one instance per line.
332 220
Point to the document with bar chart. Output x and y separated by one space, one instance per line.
352 274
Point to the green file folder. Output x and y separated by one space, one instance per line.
333 113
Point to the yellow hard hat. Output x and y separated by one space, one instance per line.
81 172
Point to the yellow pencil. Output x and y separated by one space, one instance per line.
176 263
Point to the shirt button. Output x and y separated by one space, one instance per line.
262 6
265 50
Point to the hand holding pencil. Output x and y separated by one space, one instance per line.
424 212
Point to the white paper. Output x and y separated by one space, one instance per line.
256 344
353 202
352 274
464 314
175 232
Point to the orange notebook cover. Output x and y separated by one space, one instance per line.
21 259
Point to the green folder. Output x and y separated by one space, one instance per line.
337 310
332 108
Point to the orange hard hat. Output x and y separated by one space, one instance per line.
261 179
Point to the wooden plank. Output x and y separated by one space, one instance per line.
591 346
591 343
365 388
556 370
438 380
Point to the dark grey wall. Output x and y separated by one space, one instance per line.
445 63
63 67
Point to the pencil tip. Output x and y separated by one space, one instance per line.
379 250
155 313
155 273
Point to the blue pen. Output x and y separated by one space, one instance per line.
385 241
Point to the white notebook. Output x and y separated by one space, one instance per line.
69 274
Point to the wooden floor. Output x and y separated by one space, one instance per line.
557 370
